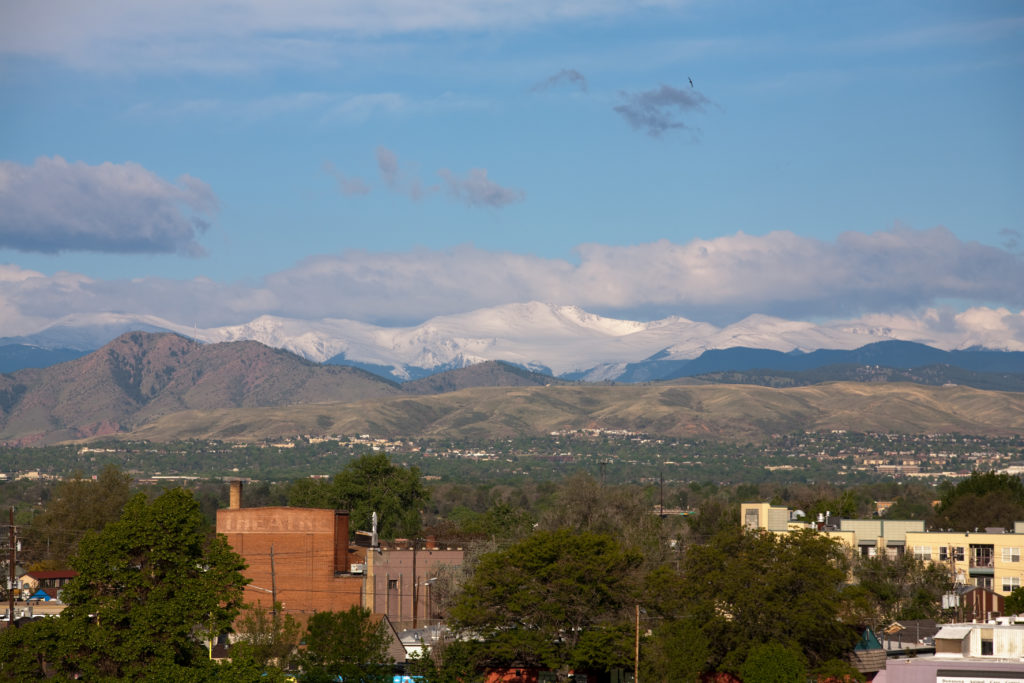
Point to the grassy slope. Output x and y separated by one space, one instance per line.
735 412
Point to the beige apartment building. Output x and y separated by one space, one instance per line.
988 559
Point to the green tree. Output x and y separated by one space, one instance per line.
713 516
366 485
1015 601
901 588
266 637
542 601
152 588
773 663
746 588
678 650
349 644
984 499
451 661
22 649
78 505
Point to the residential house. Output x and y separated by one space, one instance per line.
54 581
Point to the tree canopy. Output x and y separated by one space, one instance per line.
745 588
152 587
349 644
78 505
369 484
982 500
557 596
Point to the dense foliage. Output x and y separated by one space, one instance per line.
350 645
747 588
985 499
555 597
152 587
369 484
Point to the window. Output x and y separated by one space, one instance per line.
392 584
986 647
752 520
983 582
951 552
1011 554
1010 582
923 552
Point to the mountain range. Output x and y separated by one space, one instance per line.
561 341
164 386
142 376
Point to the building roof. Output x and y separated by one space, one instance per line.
57 574
953 632
44 594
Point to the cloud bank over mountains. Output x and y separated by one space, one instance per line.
901 271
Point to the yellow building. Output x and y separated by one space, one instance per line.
868 537
989 559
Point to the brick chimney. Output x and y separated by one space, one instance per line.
235 494
340 542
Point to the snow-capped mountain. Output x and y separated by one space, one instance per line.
559 339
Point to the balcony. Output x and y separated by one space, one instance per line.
982 560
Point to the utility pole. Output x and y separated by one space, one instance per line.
11 560
273 586
636 656
661 489
414 581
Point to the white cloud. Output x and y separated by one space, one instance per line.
202 36
896 272
54 206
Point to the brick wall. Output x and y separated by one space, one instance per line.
309 545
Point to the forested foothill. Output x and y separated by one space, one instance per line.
560 575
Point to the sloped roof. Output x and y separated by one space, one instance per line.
953 632
57 574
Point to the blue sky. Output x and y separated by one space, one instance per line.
391 161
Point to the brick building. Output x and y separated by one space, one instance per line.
396 574
300 554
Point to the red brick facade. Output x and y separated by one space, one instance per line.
311 557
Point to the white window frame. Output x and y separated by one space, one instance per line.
1011 554
1010 582
923 552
